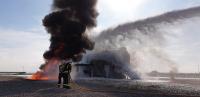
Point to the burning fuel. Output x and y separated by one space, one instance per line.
67 25
143 39
48 71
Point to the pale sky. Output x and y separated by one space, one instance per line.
23 38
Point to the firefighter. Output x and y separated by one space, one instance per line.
64 72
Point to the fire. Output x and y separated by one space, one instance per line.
49 71
38 76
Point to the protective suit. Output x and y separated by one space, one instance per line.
64 72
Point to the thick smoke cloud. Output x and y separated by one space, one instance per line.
67 25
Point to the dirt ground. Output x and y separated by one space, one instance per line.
20 87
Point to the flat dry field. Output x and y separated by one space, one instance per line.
20 87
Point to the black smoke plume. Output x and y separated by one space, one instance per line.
67 25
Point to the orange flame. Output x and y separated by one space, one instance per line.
49 72
38 76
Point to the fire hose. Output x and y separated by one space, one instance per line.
84 89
